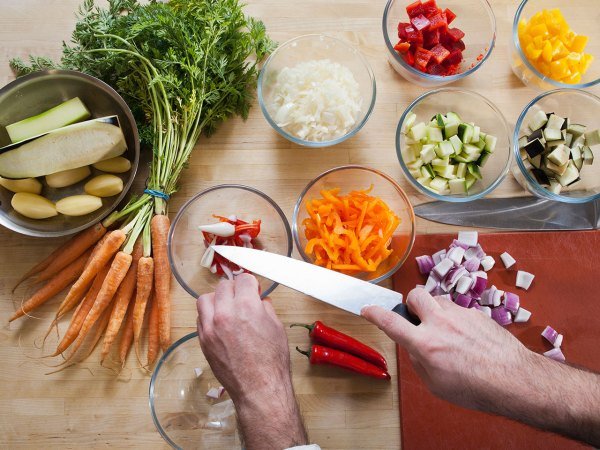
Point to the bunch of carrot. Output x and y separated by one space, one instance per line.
117 277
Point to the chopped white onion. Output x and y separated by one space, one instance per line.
221 229
508 260
207 257
468 237
215 392
198 371
487 263
522 315
524 279
316 100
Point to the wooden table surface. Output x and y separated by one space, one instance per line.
90 408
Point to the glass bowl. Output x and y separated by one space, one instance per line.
580 107
184 416
471 107
316 47
582 16
349 178
186 245
474 17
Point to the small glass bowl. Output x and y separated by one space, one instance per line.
316 47
186 245
580 107
471 107
474 17
582 16
350 178
184 416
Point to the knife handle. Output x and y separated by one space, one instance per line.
402 309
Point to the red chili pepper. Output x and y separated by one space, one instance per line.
322 334
324 355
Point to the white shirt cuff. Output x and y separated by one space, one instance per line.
305 447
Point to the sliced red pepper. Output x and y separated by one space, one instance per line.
414 36
455 57
402 26
431 38
402 47
437 21
414 9
436 69
452 69
409 57
420 22
422 58
439 53
429 7
450 16
455 34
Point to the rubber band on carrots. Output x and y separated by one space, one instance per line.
349 233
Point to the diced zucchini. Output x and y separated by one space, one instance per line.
457 186
448 172
440 120
418 131
430 171
424 181
465 132
474 170
462 158
440 162
439 184
428 153
415 173
588 155
538 120
560 155
592 138
470 149
425 173
461 170
550 134
434 134
490 143
452 117
451 129
483 159
480 144
576 129
408 156
555 122
444 149
470 180
456 143
409 121
570 176
476 131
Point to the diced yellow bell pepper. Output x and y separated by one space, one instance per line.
573 60
532 52
579 43
559 51
538 41
575 78
539 30
547 52
586 61
559 69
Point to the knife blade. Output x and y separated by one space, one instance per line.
342 291
517 213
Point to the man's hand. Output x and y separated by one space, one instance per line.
465 357
247 349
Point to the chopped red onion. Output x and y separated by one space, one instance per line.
237 272
487 297
480 274
463 300
552 336
215 392
464 284
446 297
508 260
437 291
227 271
511 302
456 254
486 310
497 298
522 315
479 285
198 372
443 267
487 263
457 243
207 257
425 264
471 264
438 256
555 354
468 237
475 252
213 268
524 279
431 283
502 316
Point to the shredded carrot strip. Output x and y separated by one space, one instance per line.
349 233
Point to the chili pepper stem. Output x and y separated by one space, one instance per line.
308 327
304 352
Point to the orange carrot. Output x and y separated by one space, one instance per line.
162 277
145 275
76 246
98 259
60 281
82 311
126 336
153 339
123 297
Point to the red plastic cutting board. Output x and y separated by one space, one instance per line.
563 294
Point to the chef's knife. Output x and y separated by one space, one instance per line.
518 213
339 290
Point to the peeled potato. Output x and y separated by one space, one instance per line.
67 177
114 165
30 185
78 205
33 206
104 186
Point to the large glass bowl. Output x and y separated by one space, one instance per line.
471 107
186 245
316 47
350 178
184 416
582 16
580 107
474 17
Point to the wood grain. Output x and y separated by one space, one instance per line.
88 408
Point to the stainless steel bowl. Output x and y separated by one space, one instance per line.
37 92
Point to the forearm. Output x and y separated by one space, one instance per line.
551 396
271 420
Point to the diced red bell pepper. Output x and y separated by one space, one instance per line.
458 45
422 58
455 34
414 9
450 16
455 57
439 53
402 47
452 69
436 69
402 26
414 35
429 8
437 21
420 22
431 38
409 57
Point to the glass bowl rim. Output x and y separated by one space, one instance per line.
517 154
160 363
426 191
399 190
439 78
317 144
217 187
525 60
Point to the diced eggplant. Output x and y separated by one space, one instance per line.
588 155
576 129
592 138
560 155
523 141
536 161
555 186
540 177
570 176
555 122
537 134
538 120
534 148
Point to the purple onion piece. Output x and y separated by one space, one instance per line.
457 243
502 316
511 302
479 286
431 284
438 290
555 354
471 264
456 254
443 267
550 334
438 256
463 300
425 264
486 310
475 252
487 296
464 284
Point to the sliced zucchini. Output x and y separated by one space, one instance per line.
465 132
458 186
474 170
444 148
418 131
